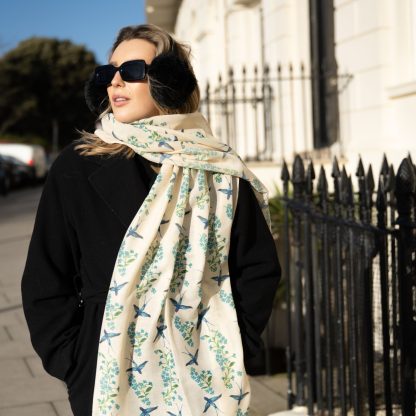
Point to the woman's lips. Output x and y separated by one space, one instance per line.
120 103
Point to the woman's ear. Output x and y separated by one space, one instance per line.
96 96
171 81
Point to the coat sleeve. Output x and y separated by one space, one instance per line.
49 294
254 268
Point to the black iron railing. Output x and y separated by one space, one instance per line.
350 271
267 113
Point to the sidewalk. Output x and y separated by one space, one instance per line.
25 388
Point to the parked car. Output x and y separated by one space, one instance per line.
33 155
23 173
5 176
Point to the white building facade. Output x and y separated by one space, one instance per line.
362 52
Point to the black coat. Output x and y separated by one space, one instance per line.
84 211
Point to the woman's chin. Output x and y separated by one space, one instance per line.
123 115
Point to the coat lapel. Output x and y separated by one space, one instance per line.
123 184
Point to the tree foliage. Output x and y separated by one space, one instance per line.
42 80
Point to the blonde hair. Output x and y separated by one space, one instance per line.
89 144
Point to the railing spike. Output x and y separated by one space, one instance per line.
322 186
344 185
322 189
391 180
370 179
310 176
298 174
381 196
405 178
350 194
384 166
284 175
335 168
360 168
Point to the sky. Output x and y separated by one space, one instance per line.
94 23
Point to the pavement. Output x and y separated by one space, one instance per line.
25 387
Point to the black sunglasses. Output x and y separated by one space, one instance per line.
135 70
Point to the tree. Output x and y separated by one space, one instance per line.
42 84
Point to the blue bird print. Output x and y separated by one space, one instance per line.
132 232
135 366
180 228
114 135
179 305
220 277
204 221
164 143
239 396
140 311
163 222
116 288
108 335
164 156
160 333
227 192
194 357
228 149
210 402
145 412
173 178
201 317
173 414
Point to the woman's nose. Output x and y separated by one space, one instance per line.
117 80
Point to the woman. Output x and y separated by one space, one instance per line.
151 270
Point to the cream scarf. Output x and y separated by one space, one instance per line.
170 343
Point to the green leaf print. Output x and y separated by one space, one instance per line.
183 193
149 273
214 244
169 377
142 389
124 258
136 338
108 388
202 200
179 251
229 211
133 141
186 329
217 177
112 311
203 379
227 298
217 343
